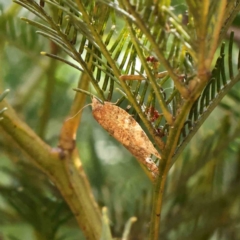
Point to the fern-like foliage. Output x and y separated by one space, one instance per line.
201 192
23 37
161 63
37 202
223 77
149 35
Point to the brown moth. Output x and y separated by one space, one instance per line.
123 127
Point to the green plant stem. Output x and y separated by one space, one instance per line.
168 116
69 128
80 98
53 162
199 83
178 25
216 33
205 114
164 167
49 89
65 40
178 84
232 9
201 36
117 73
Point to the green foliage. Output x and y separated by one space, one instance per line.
202 192
68 29
165 51
36 201
213 93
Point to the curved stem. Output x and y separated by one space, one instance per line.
117 73
168 116
53 162
139 22
68 132
164 167
205 115
48 95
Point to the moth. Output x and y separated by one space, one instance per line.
124 128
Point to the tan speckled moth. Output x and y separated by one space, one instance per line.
123 127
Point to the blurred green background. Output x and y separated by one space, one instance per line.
202 199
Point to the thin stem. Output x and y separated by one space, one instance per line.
46 105
72 49
68 132
164 167
205 115
140 77
168 153
231 10
77 194
62 60
168 116
201 36
217 29
117 73
179 85
177 24
98 39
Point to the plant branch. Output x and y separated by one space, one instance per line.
168 116
75 190
117 73
215 35
179 85
64 39
164 167
205 115
232 9
201 36
46 105
68 133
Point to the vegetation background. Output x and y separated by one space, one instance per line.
202 199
